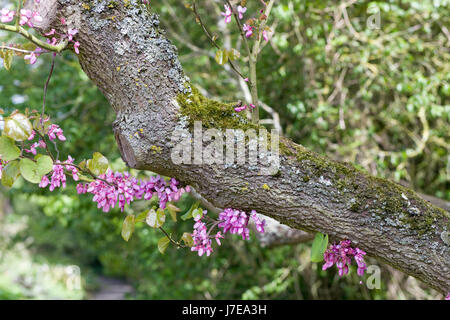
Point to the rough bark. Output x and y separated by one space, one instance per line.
125 53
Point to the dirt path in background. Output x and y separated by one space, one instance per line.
111 289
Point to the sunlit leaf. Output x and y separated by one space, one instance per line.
18 127
98 164
318 247
156 219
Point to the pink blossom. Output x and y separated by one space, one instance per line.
258 222
265 35
227 14
202 242
6 15
235 222
218 236
248 30
27 16
241 11
31 57
50 33
241 108
31 137
55 131
71 33
44 182
341 254
76 45
448 296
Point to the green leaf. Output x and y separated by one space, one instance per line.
156 219
44 164
141 216
197 212
221 57
128 227
10 173
163 243
8 149
7 59
187 239
34 171
98 164
233 54
18 127
318 247
188 214
172 209
29 170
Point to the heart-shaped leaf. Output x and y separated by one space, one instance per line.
10 173
128 227
34 171
156 219
318 247
8 149
187 239
18 127
163 243
98 164
44 164
221 57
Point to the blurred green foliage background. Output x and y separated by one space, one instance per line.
376 97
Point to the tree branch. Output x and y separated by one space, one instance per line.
138 71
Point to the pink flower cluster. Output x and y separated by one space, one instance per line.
39 144
55 131
6 15
243 107
231 220
236 222
229 12
27 16
113 187
448 296
341 254
200 236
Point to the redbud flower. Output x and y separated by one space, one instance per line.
241 108
31 137
227 14
6 15
258 222
44 182
341 254
448 296
265 36
27 16
241 11
55 131
218 236
76 46
248 30
32 57
71 33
